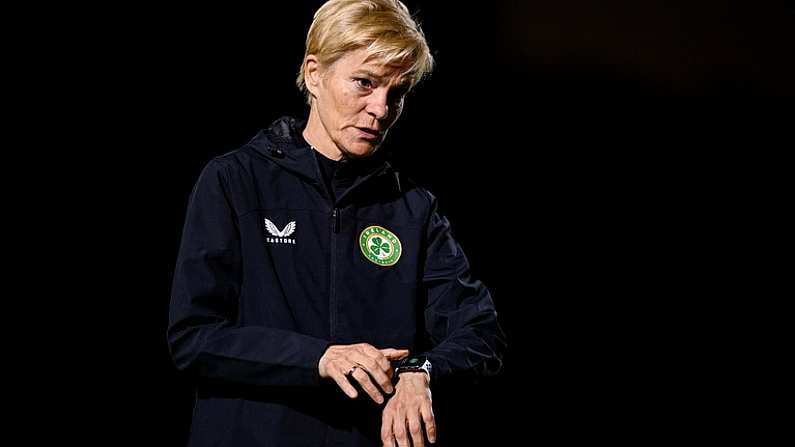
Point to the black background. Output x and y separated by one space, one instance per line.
582 151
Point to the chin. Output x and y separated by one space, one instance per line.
362 149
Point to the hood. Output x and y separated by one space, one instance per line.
283 143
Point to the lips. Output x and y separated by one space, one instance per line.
371 132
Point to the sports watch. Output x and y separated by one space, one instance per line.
414 363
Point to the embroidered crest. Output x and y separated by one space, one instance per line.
380 246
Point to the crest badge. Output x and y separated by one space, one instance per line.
380 246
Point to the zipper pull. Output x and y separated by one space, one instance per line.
336 216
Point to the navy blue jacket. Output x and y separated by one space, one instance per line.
270 273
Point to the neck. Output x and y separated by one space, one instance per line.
316 135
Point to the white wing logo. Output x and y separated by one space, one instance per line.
274 230
289 229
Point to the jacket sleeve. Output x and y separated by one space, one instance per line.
460 316
204 336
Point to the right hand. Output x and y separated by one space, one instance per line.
364 363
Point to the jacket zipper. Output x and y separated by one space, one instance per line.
335 217
335 229
335 226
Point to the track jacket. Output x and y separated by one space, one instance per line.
271 271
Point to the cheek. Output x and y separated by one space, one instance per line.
349 103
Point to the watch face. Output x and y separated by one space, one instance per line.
413 361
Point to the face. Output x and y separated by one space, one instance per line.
356 101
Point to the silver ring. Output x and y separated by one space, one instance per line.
350 371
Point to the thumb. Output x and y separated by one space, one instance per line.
394 354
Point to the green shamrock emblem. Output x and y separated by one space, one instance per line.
379 246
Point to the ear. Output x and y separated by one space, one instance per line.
312 75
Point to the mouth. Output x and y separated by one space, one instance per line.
366 132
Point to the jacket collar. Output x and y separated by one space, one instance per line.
283 143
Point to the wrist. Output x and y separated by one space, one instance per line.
413 378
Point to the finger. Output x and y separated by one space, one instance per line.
394 354
372 360
387 437
399 429
363 378
383 381
415 429
430 422
373 367
382 361
344 384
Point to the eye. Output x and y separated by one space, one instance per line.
363 83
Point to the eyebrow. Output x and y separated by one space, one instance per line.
369 73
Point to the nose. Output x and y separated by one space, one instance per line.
377 104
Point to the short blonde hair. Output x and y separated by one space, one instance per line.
384 28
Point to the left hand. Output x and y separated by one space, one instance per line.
404 412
